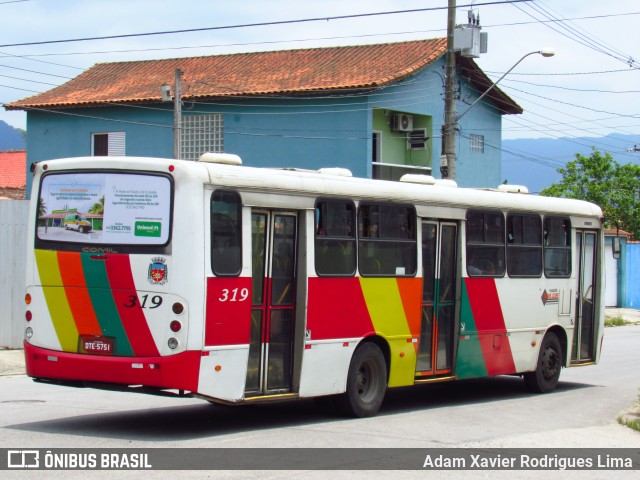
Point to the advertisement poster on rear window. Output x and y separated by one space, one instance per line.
105 208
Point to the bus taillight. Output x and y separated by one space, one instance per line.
175 326
177 308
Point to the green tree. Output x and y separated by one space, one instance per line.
98 207
601 180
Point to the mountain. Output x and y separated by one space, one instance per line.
533 161
10 138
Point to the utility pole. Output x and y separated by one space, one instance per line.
448 157
177 115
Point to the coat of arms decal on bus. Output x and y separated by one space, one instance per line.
158 271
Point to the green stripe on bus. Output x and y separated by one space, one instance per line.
470 361
104 305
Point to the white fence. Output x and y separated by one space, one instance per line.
14 215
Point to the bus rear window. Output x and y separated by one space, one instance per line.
105 208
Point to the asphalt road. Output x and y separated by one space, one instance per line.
487 413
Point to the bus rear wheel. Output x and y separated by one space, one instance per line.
545 377
366 383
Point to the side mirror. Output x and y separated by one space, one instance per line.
616 247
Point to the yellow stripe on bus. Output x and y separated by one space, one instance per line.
387 313
57 302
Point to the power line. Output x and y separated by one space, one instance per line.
573 35
296 40
39 73
27 80
587 90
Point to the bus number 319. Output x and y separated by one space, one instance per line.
234 295
154 302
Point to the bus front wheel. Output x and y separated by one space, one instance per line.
545 377
366 383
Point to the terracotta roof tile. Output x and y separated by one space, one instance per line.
13 169
263 73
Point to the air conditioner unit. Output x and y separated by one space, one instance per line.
401 122
417 139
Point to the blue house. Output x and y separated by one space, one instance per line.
374 109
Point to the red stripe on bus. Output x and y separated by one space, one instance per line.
133 318
337 309
489 320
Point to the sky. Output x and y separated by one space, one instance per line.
589 88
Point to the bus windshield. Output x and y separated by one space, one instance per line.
105 208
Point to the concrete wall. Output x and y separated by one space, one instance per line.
13 231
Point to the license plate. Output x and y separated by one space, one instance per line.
96 345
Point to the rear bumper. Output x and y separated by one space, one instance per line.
178 371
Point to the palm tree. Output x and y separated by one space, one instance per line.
42 208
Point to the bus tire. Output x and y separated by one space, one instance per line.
545 377
366 383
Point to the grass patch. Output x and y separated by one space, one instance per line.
631 418
632 424
614 322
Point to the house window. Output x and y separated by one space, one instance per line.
376 152
477 143
200 134
111 144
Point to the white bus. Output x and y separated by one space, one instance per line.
237 284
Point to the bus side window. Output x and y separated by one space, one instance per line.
557 247
335 242
485 244
226 233
524 245
387 244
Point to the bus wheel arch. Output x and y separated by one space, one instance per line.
549 364
367 379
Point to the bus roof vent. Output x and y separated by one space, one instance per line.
225 158
417 178
340 172
513 188
445 182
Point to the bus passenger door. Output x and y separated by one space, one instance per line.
273 242
439 254
584 333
